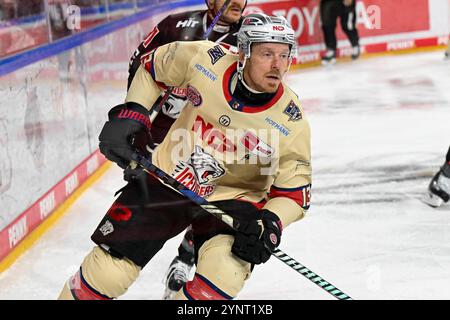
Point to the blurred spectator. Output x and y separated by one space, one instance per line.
29 7
121 8
93 12
24 25
14 9
58 18
330 11
7 10
88 3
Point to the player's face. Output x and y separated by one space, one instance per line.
232 13
267 65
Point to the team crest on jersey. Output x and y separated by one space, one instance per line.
199 172
193 96
293 111
216 53
106 228
175 103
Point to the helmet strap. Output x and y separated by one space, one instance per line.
248 87
241 66
240 69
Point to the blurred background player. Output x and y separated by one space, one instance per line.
330 11
439 188
186 26
447 52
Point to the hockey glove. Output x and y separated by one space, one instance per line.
256 239
126 132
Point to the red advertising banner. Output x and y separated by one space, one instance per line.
374 17
383 17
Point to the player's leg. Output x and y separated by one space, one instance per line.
348 24
328 15
181 266
219 274
141 220
439 187
100 277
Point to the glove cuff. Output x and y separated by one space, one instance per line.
132 111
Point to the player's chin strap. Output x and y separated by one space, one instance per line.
221 215
240 69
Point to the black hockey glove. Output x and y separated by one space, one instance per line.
126 132
256 239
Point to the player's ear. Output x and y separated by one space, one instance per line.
241 56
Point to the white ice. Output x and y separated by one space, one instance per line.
380 129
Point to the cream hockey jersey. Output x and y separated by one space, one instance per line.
219 147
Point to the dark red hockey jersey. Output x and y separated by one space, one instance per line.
187 26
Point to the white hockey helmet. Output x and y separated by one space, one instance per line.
259 27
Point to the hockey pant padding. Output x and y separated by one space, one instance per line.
102 276
219 274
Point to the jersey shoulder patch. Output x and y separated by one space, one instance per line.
293 111
216 53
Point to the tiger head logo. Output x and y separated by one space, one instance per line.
205 166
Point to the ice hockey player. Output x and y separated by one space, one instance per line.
439 187
186 26
242 141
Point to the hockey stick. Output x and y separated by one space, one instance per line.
155 110
221 215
